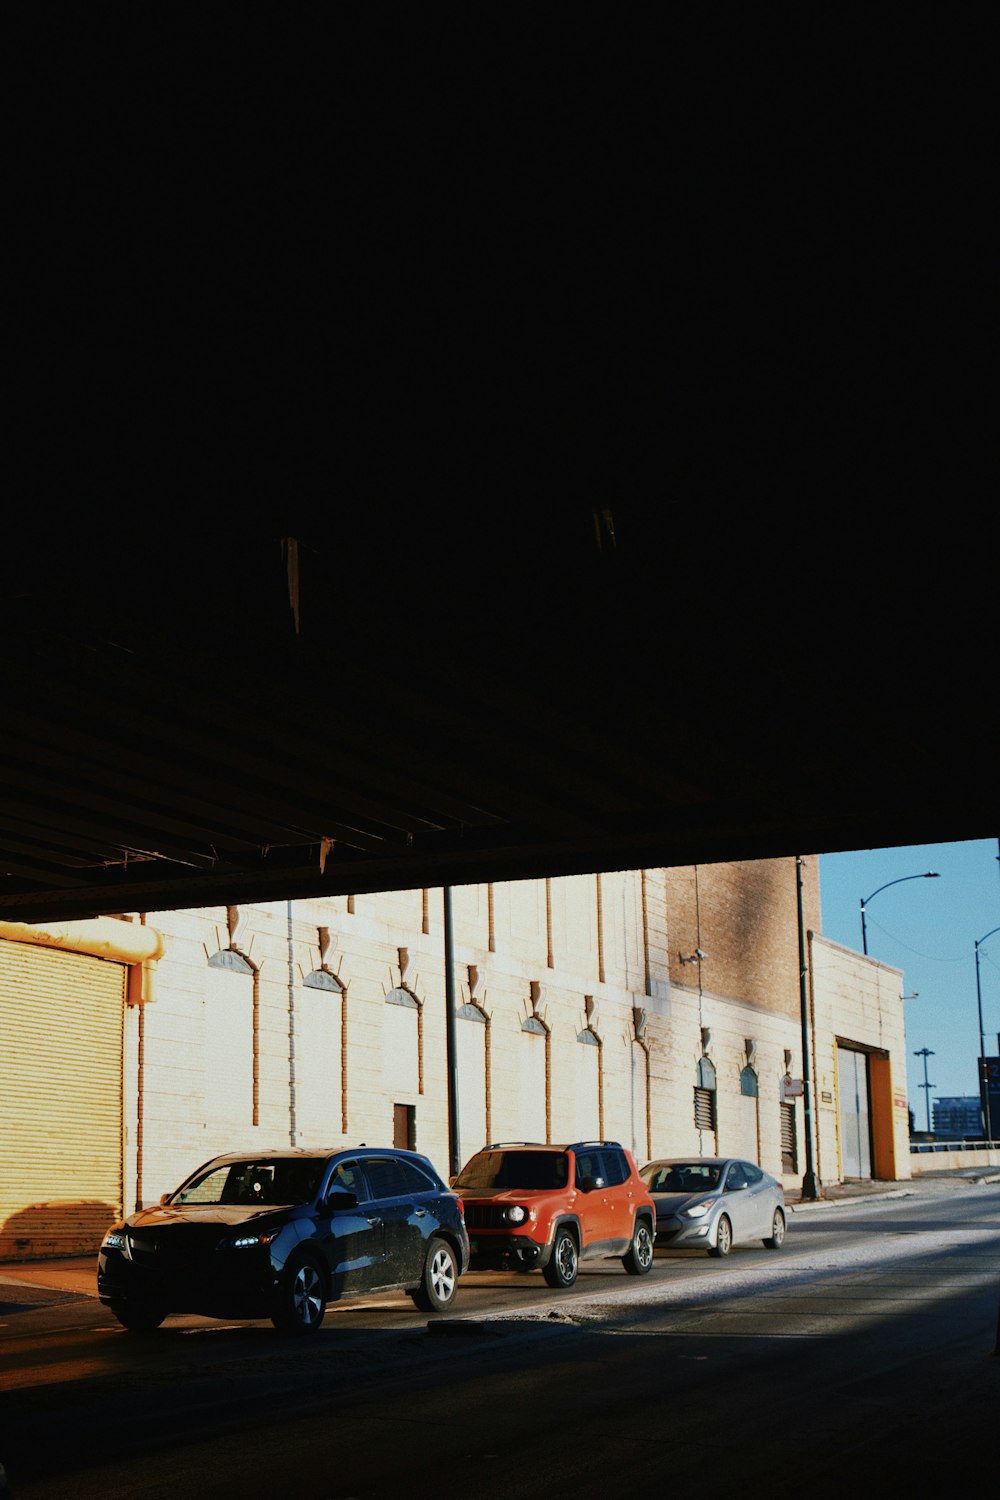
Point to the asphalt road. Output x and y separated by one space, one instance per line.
862 1355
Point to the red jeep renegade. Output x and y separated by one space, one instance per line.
532 1207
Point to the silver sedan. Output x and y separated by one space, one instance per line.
715 1202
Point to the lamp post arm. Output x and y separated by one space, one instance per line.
924 875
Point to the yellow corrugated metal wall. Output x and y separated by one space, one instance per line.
61 1029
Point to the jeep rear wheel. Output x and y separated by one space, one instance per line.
639 1256
561 1269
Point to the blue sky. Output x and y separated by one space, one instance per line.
929 929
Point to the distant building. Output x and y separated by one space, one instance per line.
958 1119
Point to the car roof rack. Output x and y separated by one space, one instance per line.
552 1145
501 1145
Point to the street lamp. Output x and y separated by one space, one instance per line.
925 1053
984 1083
927 875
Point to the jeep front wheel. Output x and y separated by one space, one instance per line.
561 1269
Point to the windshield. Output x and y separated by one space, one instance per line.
254 1182
515 1169
680 1177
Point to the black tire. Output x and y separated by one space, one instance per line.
439 1282
300 1298
560 1272
139 1317
723 1239
777 1235
638 1259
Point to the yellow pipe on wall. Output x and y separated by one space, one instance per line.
103 937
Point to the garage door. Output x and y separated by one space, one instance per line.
61 1020
855 1132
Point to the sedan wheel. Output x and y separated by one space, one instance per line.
723 1238
777 1235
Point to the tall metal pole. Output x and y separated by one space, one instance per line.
984 1082
927 875
925 1053
454 1148
810 1187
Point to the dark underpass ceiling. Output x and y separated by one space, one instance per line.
389 700
304 361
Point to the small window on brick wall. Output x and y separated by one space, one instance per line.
704 1109
789 1144
704 1096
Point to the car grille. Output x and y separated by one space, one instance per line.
485 1216
176 1246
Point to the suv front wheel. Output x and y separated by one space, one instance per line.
560 1272
300 1298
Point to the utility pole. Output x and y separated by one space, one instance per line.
984 1082
925 1053
810 1187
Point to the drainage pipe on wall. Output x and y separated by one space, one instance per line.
454 1149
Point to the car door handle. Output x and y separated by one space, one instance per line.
420 1213
373 1221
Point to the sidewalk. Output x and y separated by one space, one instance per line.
77 1275
924 1184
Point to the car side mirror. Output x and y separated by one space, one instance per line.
340 1198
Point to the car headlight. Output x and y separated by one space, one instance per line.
516 1214
697 1211
115 1240
250 1241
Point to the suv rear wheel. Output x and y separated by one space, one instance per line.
561 1269
439 1281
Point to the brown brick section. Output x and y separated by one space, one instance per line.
744 917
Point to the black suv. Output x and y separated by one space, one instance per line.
533 1207
280 1234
